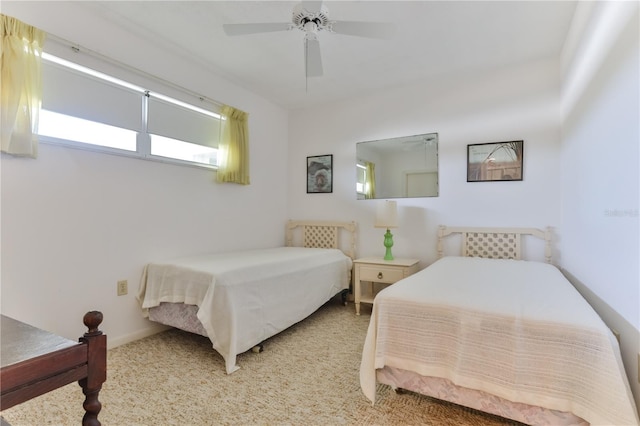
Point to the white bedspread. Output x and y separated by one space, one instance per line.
515 329
247 297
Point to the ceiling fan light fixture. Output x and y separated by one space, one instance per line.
311 28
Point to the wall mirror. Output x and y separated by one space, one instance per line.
403 167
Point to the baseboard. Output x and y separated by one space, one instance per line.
629 337
141 334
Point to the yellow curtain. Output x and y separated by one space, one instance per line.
233 149
370 183
21 86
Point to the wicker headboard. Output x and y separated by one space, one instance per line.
494 243
323 235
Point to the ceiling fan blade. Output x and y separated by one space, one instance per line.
244 29
364 29
312 58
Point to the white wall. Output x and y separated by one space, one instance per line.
600 162
600 152
521 102
75 222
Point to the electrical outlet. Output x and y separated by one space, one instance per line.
123 287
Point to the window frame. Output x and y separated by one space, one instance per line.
172 92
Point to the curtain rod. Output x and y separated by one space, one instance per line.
81 49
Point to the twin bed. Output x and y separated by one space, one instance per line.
240 299
499 334
483 329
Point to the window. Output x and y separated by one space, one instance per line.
74 129
82 107
173 148
361 178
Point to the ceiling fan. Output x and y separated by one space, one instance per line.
312 17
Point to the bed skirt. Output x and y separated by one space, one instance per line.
178 315
445 390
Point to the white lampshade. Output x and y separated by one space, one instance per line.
387 215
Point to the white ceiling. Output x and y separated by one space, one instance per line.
432 38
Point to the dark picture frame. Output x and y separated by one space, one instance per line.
495 161
320 174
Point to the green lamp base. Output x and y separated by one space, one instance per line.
388 243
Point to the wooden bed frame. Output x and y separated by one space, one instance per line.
322 235
493 243
35 362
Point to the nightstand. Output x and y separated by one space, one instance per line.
377 270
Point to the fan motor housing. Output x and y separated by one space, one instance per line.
302 16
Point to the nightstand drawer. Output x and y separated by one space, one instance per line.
380 274
371 273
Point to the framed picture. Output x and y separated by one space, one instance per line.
320 174
497 161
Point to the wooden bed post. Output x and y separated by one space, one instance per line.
289 233
353 231
96 367
441 229
547 244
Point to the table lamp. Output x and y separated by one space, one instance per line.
387 217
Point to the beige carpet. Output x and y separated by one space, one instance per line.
307 375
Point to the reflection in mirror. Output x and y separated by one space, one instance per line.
404 167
